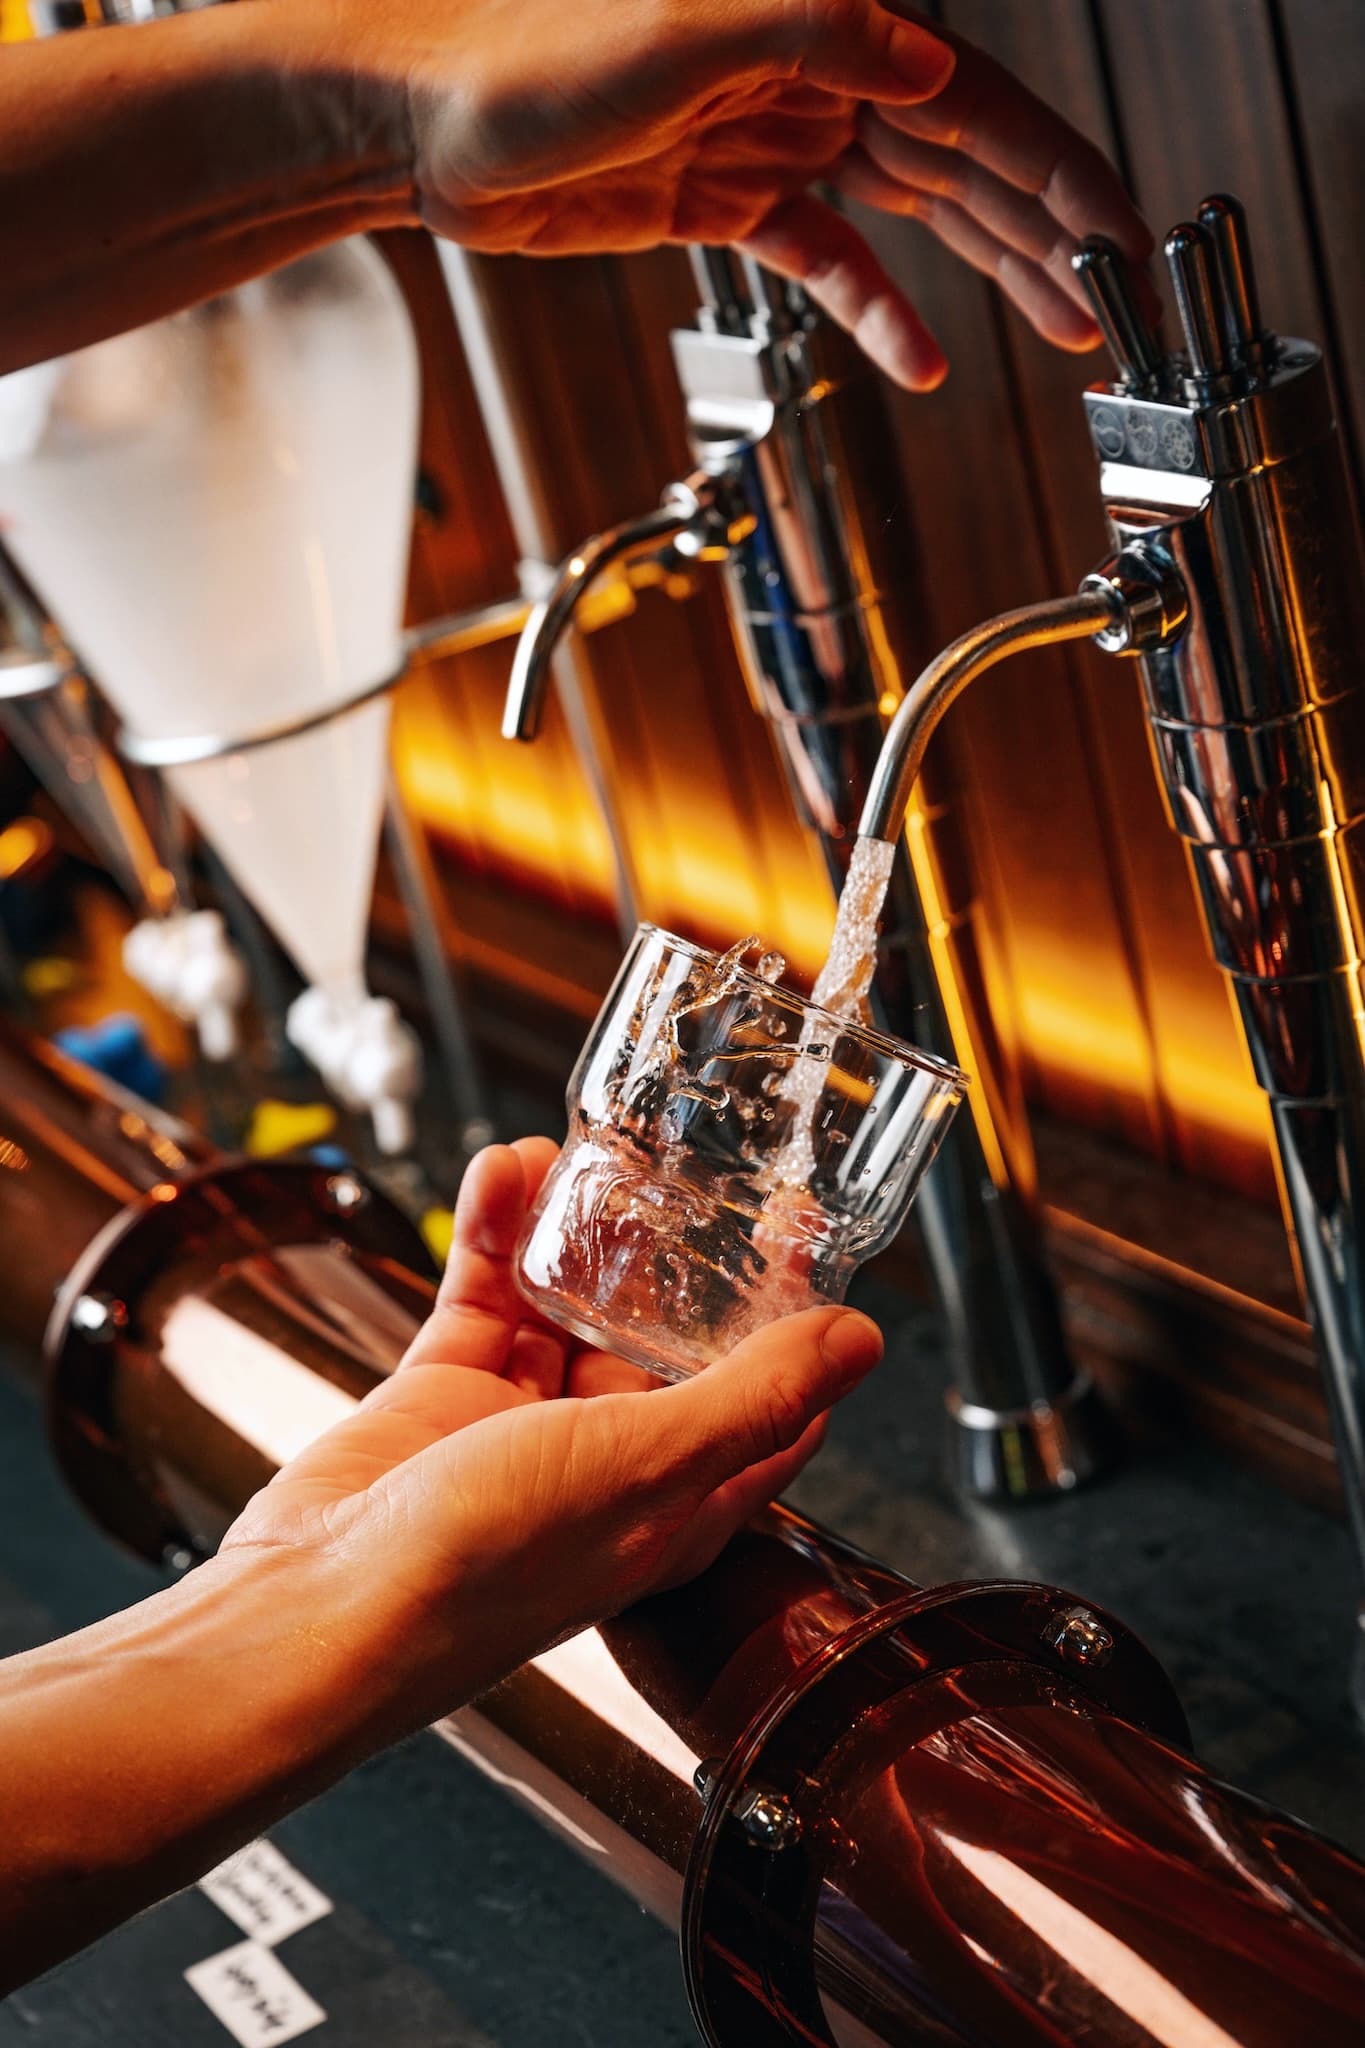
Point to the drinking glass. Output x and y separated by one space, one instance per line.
734 1154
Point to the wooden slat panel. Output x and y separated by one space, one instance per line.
1202 108
1324 41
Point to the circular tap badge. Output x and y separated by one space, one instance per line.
1142 438
1106 428
1177 443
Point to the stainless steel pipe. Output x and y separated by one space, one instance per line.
880 1815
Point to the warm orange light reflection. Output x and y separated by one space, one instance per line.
1141 1996
26 840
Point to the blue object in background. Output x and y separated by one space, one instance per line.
333 1157
117 1048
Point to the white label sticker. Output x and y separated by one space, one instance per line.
264 1894
251 1992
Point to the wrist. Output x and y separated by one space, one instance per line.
317 71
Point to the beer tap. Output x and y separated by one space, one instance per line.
1238 583
786 427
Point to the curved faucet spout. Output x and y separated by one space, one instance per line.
1091 611
685 509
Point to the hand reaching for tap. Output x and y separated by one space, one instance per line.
143 168
504 1488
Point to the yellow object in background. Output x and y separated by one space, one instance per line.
277 1127
50 976
15 26
438 1228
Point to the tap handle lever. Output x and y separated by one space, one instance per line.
1104 274
726 292
1190 254
1224 220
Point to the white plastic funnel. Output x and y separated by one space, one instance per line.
217 511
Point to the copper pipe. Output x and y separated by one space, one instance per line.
961 1815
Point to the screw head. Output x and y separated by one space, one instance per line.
705 1776
768 1819
345 1193
1080 1637
99 1317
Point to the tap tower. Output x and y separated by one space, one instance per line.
1239 563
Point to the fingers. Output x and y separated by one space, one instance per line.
478 1309
537 1156
871 52
1050 306
808 241
859 48
985 113
597 1372
749 1407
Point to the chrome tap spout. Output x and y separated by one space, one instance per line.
1081 617
685 511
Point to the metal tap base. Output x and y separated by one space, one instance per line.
1031 1453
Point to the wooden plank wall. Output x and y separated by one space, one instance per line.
1123 1024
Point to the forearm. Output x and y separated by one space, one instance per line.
138 1753
147 168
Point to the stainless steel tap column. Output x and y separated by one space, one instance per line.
799 492
1227 493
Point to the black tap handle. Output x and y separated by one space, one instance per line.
1103 272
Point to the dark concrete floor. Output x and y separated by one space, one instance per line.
460 1922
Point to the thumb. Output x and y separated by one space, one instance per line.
753 1404
861 48
873 52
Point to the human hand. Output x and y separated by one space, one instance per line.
550 131
508 1486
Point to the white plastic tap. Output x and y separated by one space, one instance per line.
187 961
366 1054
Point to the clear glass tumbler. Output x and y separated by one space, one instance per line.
734 1154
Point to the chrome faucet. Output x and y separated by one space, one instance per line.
1230 509
798 493
1238 582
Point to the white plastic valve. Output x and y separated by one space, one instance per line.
188 962
366 1054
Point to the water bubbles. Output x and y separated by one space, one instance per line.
771 967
